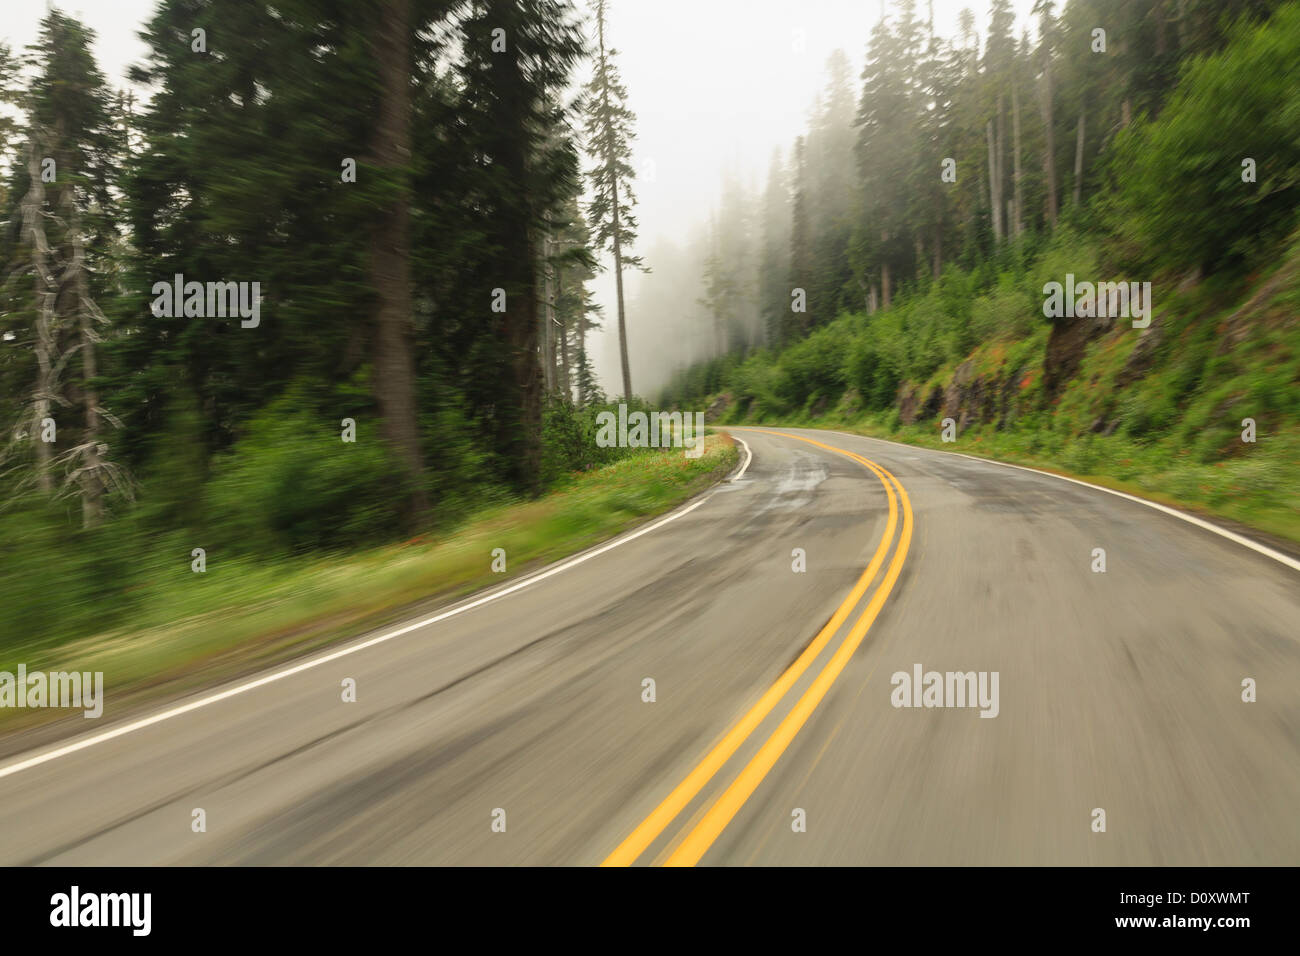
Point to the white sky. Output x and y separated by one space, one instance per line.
715 84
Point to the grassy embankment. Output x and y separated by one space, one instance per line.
194 629
1160 418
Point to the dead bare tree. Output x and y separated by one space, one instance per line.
45 324
64 314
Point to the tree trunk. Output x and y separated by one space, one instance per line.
612 172
618 279
1078 160
566 384
581 370
995 200
1001 151
1015 139
91 478
390 262
937 263
1049 148
548 315
45 291
523 347
1183 29
885 284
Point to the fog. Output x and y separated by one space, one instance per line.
718 87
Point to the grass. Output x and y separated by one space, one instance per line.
240 615
1164 423
1258 489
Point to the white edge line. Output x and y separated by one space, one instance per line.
749 456
91 740
1263 549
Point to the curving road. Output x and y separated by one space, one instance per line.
772 738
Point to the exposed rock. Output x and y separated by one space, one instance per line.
908 403
956 394
1065 347
933 403
1143 355
718 407
850 403
1244 322
1010 389
1190 280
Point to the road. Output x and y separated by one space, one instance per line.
514 730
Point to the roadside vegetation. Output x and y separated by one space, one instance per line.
152 624
394 203
1161 411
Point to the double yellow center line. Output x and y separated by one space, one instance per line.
702 836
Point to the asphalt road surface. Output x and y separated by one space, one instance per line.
516 730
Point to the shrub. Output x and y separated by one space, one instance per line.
291 484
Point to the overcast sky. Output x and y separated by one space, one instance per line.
715 84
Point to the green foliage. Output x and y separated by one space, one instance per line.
569 439
814 368
290 485
171 496
58 579
118 581
234 174
873 373
1179 195
1006 312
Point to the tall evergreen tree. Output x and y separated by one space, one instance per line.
609 133
389 151
774 291
801 238
885 151
832 178
518 57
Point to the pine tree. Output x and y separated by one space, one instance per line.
885 151
829 150
512 99
774 291
1047 36
609 133
801 272
389 152
229 183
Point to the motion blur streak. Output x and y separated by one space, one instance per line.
721 813
653 825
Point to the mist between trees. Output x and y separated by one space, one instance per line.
931 226
948 169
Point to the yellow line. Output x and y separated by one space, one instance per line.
652 826
722 812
